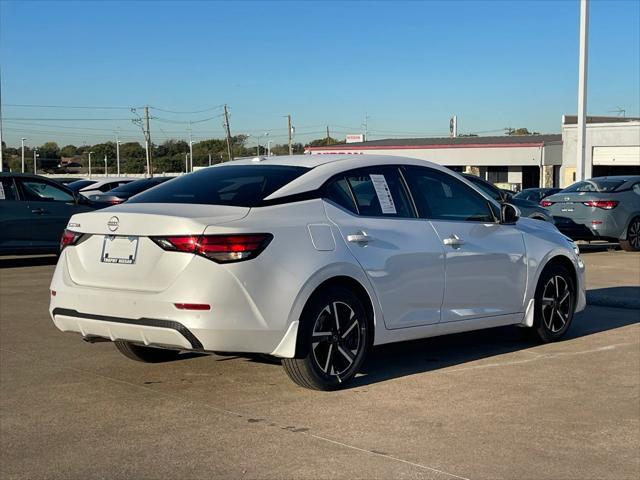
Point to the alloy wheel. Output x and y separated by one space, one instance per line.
633 234
556 303
337 339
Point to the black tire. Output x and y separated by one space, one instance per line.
320 336
632 242
141 353
555 302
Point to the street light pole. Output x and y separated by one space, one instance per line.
23 154
583 170
35 161
269 147
90 164
118 156
190 154
105 165
186 163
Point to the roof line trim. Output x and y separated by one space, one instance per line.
427 147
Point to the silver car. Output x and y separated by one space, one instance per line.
602 208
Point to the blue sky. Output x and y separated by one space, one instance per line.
408 65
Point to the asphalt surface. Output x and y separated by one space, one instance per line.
481 405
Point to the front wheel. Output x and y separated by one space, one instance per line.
632 242
554 304
141 353
334 337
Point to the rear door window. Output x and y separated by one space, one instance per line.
235 185
372 192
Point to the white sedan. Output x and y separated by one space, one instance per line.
312 259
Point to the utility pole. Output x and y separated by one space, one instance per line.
148 143
23 139
186 163
228 131
583 170
290 135
118 155
328 137
365 124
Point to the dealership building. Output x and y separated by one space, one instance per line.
521 161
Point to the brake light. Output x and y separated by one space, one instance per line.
545 203
69 238
604 204
219 248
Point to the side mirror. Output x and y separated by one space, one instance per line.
509 214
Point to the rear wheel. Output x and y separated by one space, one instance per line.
632 242
141 353
333 340
554 304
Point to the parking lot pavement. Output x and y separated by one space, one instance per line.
476 405
613 278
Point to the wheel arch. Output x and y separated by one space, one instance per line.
567 264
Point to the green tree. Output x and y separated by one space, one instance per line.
321 142
69 151
49 150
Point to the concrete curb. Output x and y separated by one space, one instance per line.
615 301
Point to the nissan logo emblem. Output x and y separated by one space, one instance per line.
113 224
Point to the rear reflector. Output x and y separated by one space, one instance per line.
604 204
69 238
192 306
546 203
219 248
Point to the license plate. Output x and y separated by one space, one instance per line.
119 249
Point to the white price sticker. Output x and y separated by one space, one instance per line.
383 193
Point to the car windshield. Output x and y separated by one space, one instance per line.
236 185
595 185
138 186
80 184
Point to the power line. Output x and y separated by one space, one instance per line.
187 112
68 119
65 106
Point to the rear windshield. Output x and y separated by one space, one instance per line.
236 185
595 185
80 184
138 186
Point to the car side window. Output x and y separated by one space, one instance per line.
339 192
39 191
379 192
7 189
440 196
636 188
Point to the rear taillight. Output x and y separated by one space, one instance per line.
219 248
545 203
69 238
604 204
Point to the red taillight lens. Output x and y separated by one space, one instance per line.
604 204
545 203
69 238
219 248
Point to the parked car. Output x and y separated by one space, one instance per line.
527 208
34 211
98 185
71 167
312 259
124 192
536 194
65 180
602 208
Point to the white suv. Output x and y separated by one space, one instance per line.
312 259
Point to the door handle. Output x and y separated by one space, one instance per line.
40 211
361 238
454 241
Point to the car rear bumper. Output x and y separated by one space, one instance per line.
587 231
234 323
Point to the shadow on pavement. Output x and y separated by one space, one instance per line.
616 297
19 262
401 359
